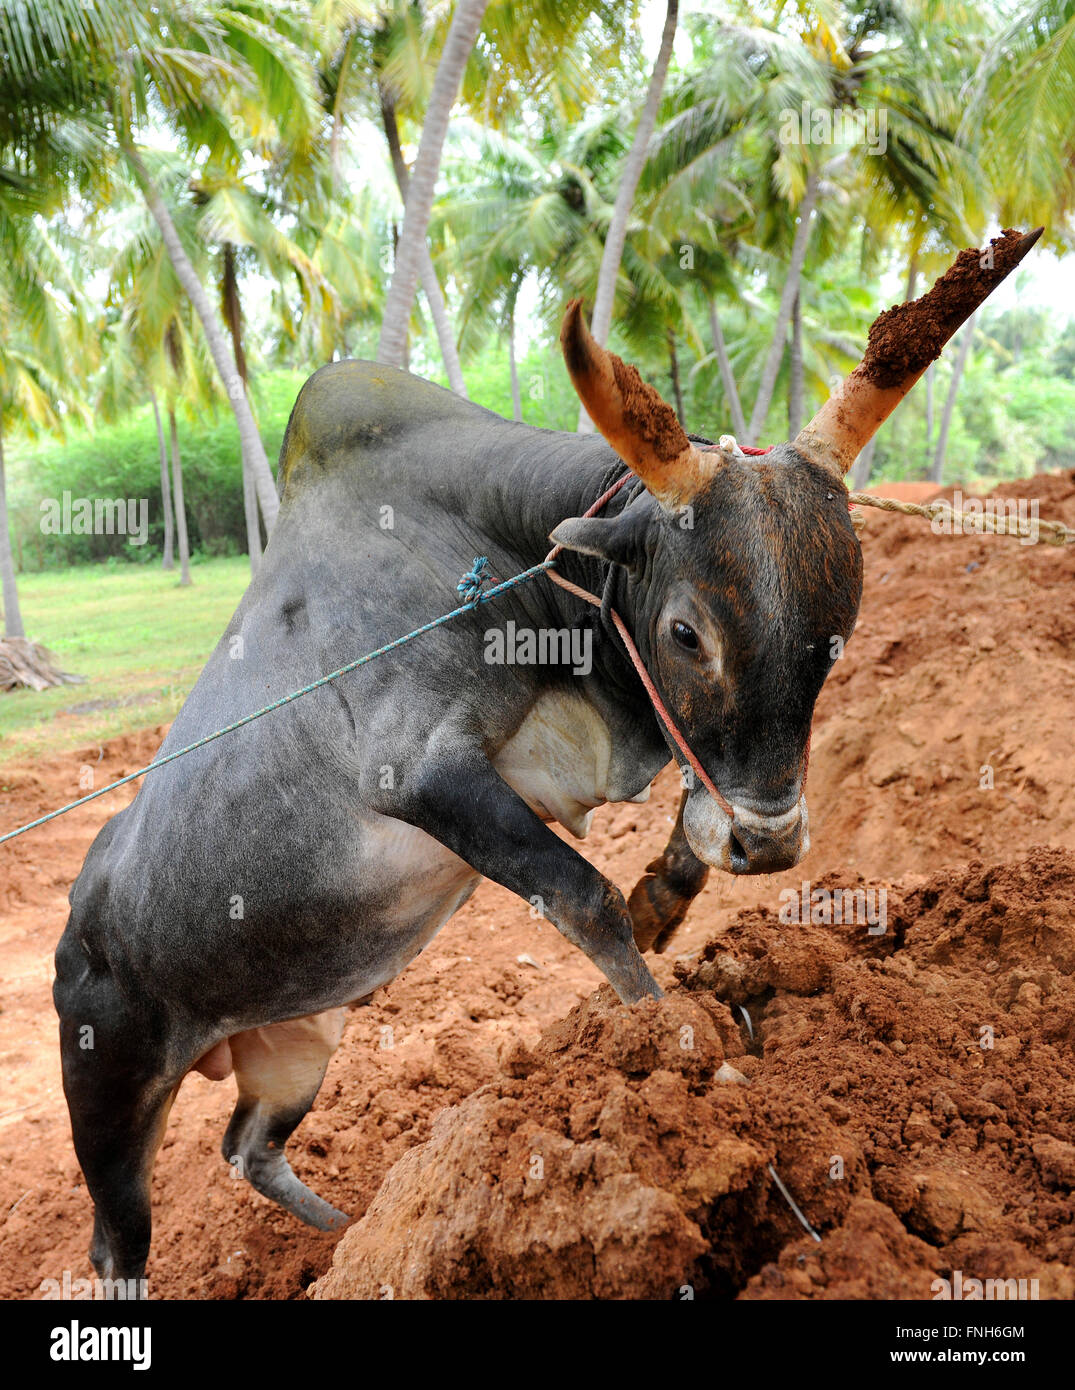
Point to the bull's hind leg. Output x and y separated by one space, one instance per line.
118 1098
279 1069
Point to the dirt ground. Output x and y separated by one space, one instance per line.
914 1090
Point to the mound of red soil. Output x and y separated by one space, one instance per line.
915 1091
906 492
952 705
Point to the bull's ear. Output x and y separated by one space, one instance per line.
617 540
640 426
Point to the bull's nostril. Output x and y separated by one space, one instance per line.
740 862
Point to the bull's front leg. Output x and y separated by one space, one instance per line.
460 799
661 897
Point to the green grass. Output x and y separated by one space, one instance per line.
136 636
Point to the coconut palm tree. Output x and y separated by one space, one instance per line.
391 56
513 210
157 344
178 360
345 250
1022 113
559 53
209 70
737 101
242 206
438 308
124 382
466 21
959 366
565 55
45 335
230 218
616 235
152 346
354 65
628 183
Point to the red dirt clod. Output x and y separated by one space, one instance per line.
905 339
646 415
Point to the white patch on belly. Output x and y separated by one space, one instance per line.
422 874
421 884
558 761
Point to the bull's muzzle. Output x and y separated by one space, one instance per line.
747 843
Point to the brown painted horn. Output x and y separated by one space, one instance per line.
640 426
903 341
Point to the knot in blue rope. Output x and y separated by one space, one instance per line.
470 586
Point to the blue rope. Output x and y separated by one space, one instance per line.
470 587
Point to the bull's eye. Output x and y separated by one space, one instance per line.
685 635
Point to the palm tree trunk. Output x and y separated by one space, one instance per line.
632 172
338 110
771 369
233 317
900 421
462 33
438 309
958 367
673 371
930 375
616 236
912 278
180 506
860 474
12 613
795 374
727 376
249 438
168 560
250 516
513 366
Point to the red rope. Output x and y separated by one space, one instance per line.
636 659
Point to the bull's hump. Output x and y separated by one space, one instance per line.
354 405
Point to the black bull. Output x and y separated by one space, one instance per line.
258 885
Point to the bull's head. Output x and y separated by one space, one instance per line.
747 572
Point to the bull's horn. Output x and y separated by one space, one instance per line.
903 342
639 425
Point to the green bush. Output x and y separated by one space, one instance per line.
123 461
